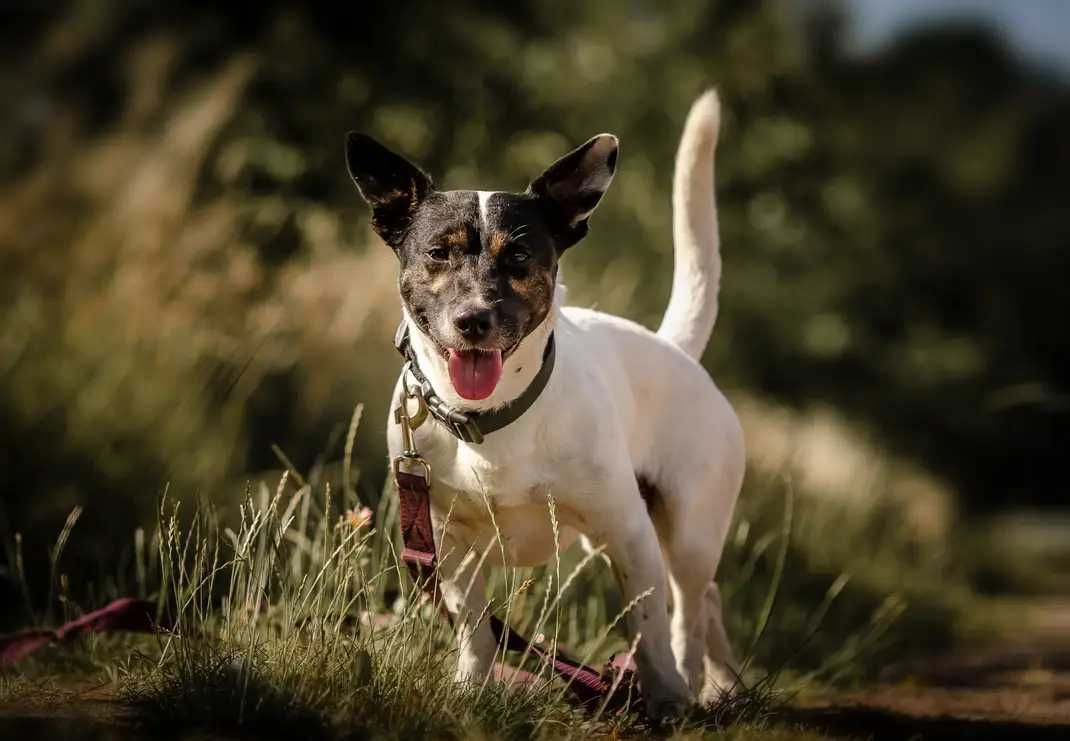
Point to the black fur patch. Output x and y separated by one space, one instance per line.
649 492
454 259
391 185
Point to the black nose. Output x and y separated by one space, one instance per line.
474 324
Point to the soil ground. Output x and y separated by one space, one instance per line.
1016 686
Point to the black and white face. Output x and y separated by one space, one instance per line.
479 268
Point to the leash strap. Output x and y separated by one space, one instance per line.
588 685
126 614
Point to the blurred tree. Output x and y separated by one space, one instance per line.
188 275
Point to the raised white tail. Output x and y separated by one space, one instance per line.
696 278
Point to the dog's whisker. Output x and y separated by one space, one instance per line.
519 233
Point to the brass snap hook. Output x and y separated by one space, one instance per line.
411 392
409 423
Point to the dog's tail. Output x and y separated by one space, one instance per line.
696 278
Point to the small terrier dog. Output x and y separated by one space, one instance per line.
640 451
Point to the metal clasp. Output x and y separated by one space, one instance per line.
414 392
409 424
468 431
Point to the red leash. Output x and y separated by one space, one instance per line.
134 615
586 683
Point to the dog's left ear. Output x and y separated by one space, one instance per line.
573 186
391 185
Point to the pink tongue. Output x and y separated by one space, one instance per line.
475 374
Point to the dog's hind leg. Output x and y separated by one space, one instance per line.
722 671
692 537
631 542
689 625
699 640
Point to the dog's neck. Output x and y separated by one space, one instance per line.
518 370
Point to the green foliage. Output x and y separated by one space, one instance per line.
187 275
298 619
298 623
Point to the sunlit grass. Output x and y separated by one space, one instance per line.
298 619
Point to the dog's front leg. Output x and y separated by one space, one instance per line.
465 597
632 546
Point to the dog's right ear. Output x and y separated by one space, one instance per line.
391 185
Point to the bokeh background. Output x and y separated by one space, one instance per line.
188 277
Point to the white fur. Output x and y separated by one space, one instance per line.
484 196
621 402
696 275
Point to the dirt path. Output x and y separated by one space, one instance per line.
79 711
1017 687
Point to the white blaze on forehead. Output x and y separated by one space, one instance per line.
484 196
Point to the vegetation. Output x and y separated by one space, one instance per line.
299 621
189 286
188 276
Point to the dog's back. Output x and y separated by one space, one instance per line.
659 390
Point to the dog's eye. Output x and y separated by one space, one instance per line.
518 256
439 254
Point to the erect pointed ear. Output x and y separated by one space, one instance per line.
575 184
391 185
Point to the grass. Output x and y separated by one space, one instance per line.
298 621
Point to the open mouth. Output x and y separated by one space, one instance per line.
474 373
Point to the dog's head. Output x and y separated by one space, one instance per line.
478 268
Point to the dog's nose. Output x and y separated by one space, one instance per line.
474 324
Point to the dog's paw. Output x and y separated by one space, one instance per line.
720 685
471 671
667 711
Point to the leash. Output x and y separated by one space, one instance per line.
412 474
125 614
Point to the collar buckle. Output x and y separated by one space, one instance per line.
468 431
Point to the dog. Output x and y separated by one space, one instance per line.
640 451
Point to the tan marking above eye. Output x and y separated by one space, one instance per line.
532 286
498 242
457 238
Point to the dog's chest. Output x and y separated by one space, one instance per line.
490 478
501 503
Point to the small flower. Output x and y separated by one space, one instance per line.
356 518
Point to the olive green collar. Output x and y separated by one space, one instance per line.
472 426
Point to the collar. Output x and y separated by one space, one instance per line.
471 427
